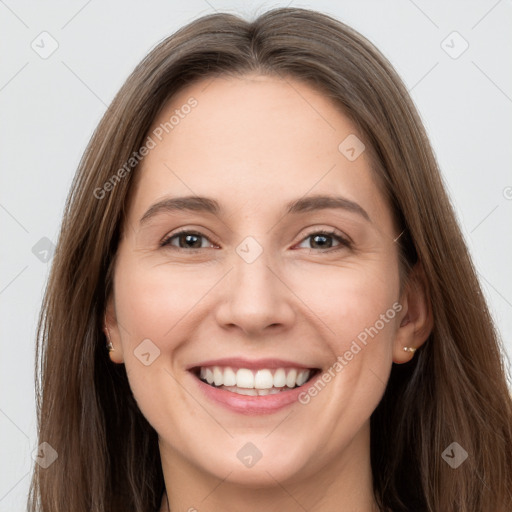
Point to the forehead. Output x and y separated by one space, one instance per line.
257 112
254 139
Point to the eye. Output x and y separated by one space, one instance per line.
186 240
193 240
324 240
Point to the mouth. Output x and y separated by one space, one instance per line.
254 382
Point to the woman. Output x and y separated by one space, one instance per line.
257 231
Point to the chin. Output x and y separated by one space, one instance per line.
257 463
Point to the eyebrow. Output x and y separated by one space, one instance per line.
209 205
320 202
187 203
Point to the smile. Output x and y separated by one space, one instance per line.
254 382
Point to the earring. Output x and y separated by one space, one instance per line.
110 347
410 349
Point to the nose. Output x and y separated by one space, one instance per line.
256 299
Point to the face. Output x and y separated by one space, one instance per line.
280 287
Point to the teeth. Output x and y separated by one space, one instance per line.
229 377
302 377
291 378
244 378
252 392
218 376
245 381
249 392
263 379
280 378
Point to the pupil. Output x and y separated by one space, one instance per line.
323 239
191 241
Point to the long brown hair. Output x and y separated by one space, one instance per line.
454 390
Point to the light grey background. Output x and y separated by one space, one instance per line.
49 108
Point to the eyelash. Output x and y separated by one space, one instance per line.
344 243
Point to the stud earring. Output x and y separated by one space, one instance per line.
110 347
410 349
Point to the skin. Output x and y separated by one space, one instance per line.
253 144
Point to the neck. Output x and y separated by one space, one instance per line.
343 483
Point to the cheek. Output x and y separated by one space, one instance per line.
152 300
358 313
355 309
149 304
348 298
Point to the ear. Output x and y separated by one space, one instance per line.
416 319
112 332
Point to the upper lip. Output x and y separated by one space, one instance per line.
240 362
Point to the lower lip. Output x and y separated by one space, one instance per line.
245 404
